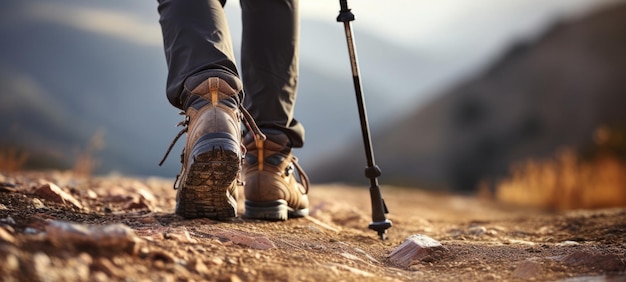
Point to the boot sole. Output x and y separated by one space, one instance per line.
277 210
211 175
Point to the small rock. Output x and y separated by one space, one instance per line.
92 195
105 266
144 193
3 207
477 230
197 266
7 187
42 265
567 243
10 264
114 236
137 203
416 248
30 231
52 192
116 194
179 235
5 236
38 204
162 256
527 269
8 220
216 261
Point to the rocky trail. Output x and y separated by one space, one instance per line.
60 227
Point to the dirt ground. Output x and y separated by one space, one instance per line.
123 229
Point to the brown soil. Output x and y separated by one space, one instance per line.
484 240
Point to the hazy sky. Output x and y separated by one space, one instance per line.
438 24
461 36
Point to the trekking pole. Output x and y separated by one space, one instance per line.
379 222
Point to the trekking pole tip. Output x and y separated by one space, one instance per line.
381 228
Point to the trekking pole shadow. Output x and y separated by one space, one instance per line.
379 222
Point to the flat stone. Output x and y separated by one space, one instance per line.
527 269
256 242
606 262
416 248
52 192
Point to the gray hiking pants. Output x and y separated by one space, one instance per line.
197 39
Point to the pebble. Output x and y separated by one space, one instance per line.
163 256
38 204
105 266
179 235
92 195
8 220
31 231
137 203
197 266
567 243
52 192
216 261
11 263
477 230
5 236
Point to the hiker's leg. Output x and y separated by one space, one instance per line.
269 57
196 39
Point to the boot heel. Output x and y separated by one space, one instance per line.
274 210
208 191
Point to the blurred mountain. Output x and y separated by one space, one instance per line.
541 95
64 80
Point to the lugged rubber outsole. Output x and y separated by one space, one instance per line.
277 210
211 176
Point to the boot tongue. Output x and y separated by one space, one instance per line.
276 141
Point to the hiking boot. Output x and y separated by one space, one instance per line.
275 186
212 157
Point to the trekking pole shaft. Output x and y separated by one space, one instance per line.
367 141
379 222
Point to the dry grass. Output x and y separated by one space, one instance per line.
12 159
85 162
565 182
